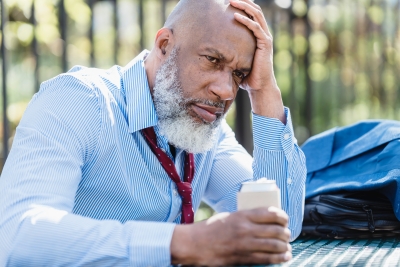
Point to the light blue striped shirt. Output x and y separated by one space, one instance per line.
81 185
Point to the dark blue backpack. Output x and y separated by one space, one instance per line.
353 176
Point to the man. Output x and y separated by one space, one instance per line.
106 164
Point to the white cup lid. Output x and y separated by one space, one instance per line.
260 185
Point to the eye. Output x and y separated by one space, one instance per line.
239 74
212 59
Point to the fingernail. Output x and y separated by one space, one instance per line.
273 209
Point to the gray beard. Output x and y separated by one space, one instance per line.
174 120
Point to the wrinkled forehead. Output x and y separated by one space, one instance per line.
219 29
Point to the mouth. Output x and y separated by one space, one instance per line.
207 113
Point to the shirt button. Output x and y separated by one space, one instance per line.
175 192
289 181
286 136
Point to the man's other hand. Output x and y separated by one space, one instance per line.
258 236
261 84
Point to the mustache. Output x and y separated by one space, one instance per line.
217 104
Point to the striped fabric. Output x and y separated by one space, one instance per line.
82 187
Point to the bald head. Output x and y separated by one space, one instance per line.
200 17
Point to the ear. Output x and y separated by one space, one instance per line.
164 43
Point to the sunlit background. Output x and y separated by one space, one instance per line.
336 61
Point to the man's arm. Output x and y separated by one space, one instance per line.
276 156
264 93
258 236
53 144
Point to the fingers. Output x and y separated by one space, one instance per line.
254 236
271 231
253 10
251 2
269 215
257 30
263 258
262 223
264 251
269 245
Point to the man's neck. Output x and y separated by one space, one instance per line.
150 68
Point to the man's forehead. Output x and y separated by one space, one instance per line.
223 26
228 39
214 28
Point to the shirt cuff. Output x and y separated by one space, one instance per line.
150 244
272 134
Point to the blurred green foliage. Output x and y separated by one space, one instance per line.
336 61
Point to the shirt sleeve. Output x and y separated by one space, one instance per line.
276 156
52 148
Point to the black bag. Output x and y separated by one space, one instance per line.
350 215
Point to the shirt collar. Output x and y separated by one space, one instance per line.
139 103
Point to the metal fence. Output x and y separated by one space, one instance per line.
336 61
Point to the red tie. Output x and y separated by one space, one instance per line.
184 188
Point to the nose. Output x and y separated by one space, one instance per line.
222 86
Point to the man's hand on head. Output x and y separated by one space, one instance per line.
261 84
258 236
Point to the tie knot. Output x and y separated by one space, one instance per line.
184 187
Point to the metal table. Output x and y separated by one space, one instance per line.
311 251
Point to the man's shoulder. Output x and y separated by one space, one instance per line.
81 92
73 100
80 78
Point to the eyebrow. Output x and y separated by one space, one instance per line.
222 57
215 51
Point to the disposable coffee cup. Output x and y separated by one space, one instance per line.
261 193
